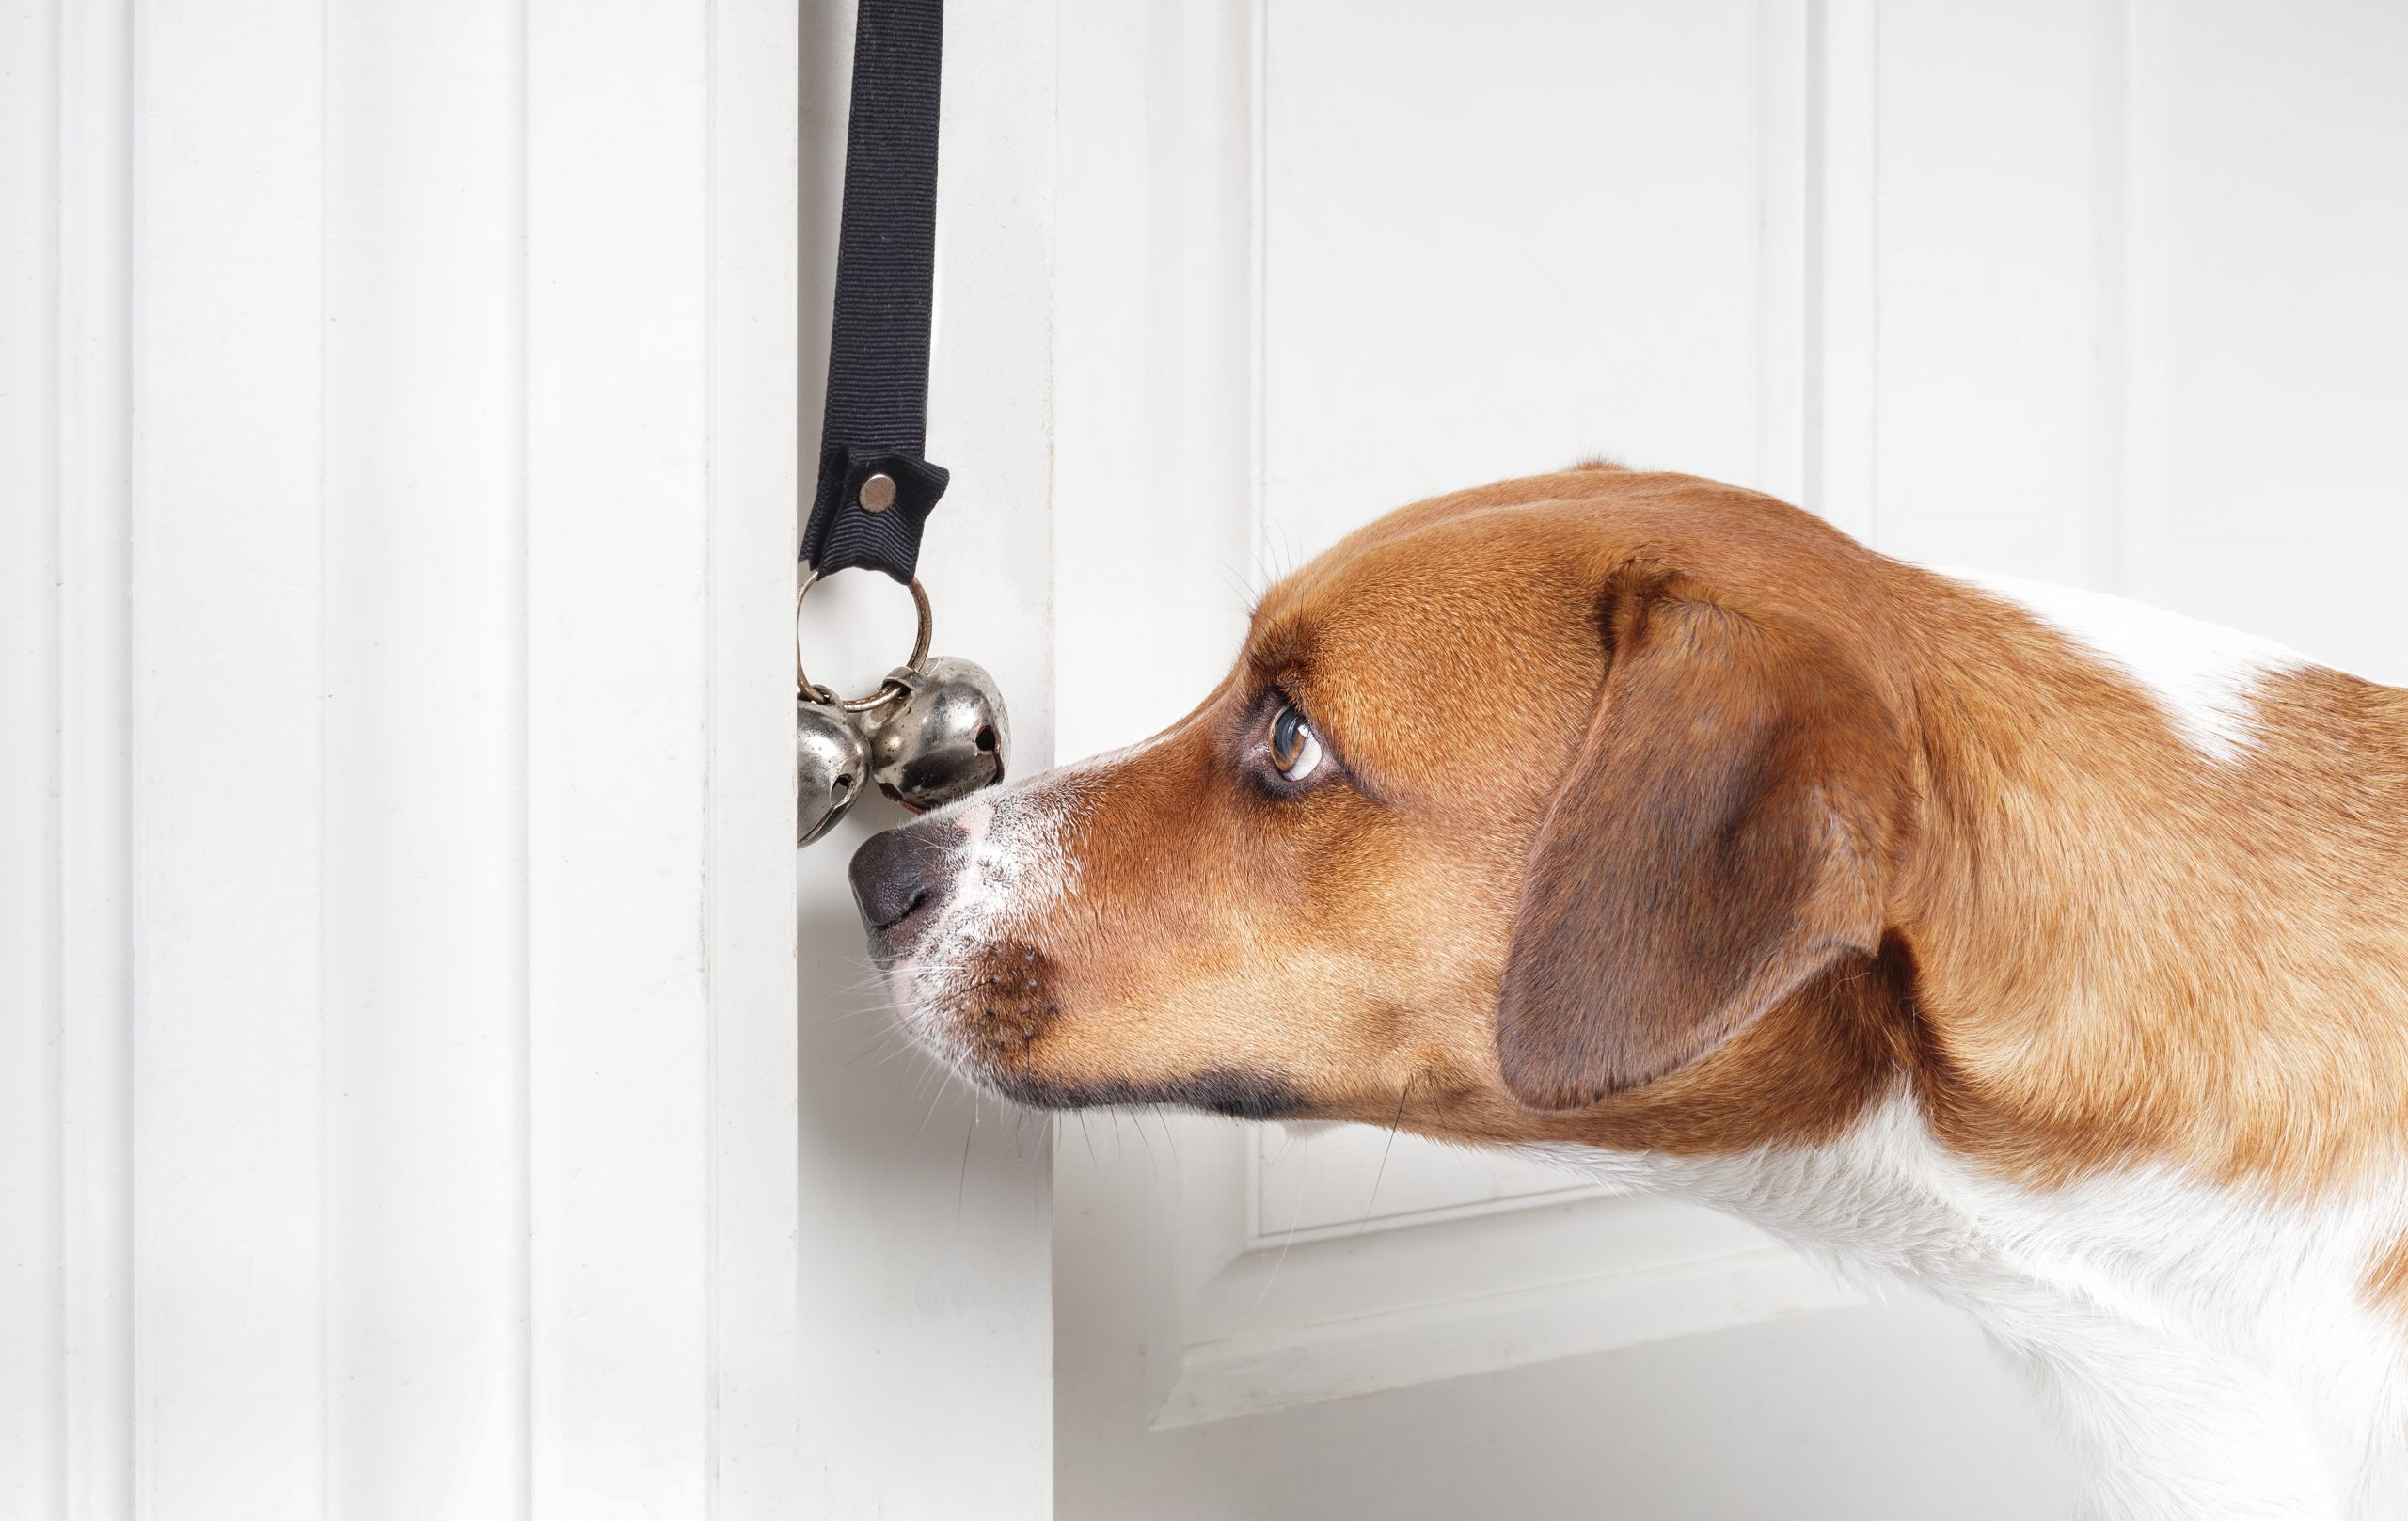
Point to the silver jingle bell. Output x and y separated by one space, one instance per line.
945 737
831 766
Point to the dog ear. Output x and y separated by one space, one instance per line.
1724 833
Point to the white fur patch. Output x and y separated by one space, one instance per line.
1014 871
2214 1354
2200 674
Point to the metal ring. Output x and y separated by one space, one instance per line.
889 689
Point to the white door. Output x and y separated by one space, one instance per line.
403 1109
2095 292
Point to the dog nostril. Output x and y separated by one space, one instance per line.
987 737
904 872
884 911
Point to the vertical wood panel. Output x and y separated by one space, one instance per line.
618 661
754 1364
265 1081
425 784
2134 382
96 187
1843 422
32 1307
229 685
1784 298
1176 263
1992 323
1568 202
2287 322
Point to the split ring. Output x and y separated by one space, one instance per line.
889 689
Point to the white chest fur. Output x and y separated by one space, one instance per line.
2212 1352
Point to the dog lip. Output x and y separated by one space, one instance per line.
1228 1091
884 953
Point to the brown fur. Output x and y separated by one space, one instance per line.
1727 830
1808 823
2386 1282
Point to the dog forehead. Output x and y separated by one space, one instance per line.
1479 630
1480 617
1450 584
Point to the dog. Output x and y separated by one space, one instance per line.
2043 950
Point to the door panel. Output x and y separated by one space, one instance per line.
1376 166
1992 287
1490 245
1442 303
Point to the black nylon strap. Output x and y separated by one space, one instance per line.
878 345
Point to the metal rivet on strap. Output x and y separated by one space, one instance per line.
878 492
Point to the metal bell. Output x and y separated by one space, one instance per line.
831 764
945 737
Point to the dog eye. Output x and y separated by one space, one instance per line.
1295 750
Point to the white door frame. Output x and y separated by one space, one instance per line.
397 472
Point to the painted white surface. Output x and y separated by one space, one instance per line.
399 453
1986 286
398 1097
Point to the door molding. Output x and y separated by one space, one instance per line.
403 1112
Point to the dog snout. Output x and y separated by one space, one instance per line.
901 879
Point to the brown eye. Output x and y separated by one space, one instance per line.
1295 750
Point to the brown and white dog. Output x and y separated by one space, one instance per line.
2044 950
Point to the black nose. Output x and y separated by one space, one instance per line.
901 878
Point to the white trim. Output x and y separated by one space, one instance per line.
422 869
229 1040
97 174
32 1175
1842 478
756 1327
1786 189
618 648
2138 384
1244 1375
274 1156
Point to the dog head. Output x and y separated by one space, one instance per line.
1578 797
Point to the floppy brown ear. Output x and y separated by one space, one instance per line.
1724 833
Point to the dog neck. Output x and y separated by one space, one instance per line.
2213 1350
2152 925
2121 1081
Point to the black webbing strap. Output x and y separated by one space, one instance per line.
878 346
